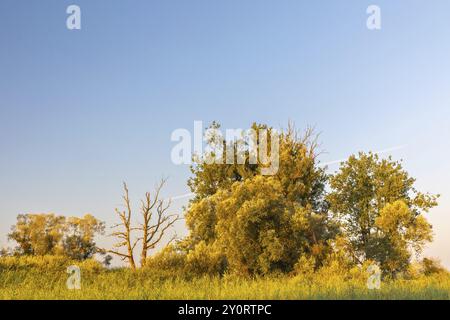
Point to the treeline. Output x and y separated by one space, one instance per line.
245 223
54 235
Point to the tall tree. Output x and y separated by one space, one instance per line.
156 223
153 230
364 199
263 223
124 235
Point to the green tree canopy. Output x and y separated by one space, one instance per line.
49 234
379 210
79 238
38 234
262 223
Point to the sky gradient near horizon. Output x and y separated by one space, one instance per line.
83 110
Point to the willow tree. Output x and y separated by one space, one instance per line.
262 223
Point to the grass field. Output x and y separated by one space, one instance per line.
124 284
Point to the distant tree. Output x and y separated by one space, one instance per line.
432 266
78 241
5 252
49 234
107 260
380 211
38 234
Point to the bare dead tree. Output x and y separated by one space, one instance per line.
124 235
156 225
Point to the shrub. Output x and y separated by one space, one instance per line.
205 260
431 266
167 262
46 263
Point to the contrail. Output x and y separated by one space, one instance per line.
377 152
190 194
182 196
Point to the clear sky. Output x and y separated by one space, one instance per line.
83 110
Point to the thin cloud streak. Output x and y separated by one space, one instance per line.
377 152
182 196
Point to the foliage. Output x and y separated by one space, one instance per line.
48 234
50 283
431 266
205 260
78 242
398 230
263 223
201 261
46 264
38 234
167 262
380 211
299 228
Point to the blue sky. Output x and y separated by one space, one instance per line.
81 111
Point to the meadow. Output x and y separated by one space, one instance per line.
48 281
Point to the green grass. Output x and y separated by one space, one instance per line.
45 278
35 283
